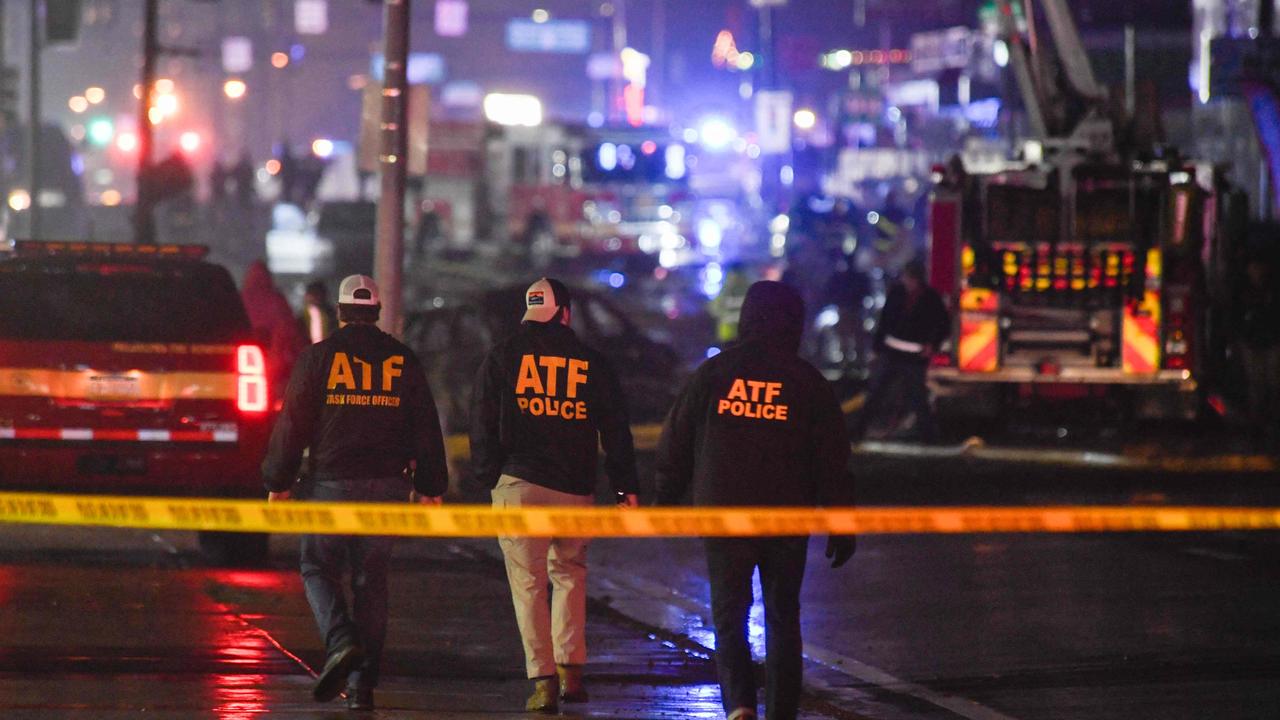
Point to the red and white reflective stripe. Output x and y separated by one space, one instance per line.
119 435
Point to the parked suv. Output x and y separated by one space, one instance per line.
130 369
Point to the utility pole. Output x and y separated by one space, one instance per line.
144 222
388 256
34 181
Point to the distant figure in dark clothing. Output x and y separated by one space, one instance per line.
318 319
273 321
288 174
218 182
1260 344
914 323
242 180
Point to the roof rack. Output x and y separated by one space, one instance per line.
46 248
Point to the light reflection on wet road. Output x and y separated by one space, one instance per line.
108 624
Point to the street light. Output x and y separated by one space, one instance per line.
804 119
234 89
189 141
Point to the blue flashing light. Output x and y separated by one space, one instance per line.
607 156
712 279
717 134
626 157
983 113
712 352
617 280
297 51
675 163
710 233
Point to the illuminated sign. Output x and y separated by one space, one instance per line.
311 17
451 18
423 68
941 50
551 36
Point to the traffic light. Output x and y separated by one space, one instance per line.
100 131
62 20
8 91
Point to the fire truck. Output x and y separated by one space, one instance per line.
1085 268
563 189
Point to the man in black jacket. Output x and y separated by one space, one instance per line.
543 402
758 426
912 326
359 401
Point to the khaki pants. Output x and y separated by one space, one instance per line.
553 629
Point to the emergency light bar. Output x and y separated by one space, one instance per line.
42 248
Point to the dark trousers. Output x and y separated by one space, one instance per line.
327 558
731 562
905 376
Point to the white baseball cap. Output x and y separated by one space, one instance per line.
358 290
543 299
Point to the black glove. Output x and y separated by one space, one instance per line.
840 548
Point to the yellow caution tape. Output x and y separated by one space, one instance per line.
159 513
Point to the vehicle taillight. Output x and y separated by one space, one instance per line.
1179 329
251 380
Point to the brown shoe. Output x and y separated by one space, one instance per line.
545 696
571 687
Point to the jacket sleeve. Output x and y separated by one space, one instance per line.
487 453
615 434
294 429
673 465
830 450
431 470
888 316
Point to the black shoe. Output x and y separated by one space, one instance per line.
336 669
359 698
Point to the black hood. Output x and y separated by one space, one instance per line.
772 315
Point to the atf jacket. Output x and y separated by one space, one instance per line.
541 400
908 323
756 425
360 401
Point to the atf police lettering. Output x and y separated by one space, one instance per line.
539 389
356 376
753 399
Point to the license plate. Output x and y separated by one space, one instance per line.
122 387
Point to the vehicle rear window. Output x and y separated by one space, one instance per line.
101 301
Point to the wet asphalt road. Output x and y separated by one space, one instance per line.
113 623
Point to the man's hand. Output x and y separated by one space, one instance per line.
274 496
628 500
420 499
840 548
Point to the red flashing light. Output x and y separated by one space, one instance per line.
251 384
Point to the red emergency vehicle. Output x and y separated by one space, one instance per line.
130 369
563 189
1084 268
